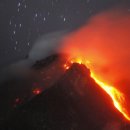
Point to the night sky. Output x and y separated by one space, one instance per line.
24 21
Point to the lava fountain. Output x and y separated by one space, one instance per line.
103 45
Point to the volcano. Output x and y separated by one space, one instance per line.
71 100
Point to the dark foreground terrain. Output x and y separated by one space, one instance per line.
73 101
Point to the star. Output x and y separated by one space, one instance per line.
64 19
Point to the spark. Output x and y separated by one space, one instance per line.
36 91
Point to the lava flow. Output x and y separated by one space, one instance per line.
105 42
117 97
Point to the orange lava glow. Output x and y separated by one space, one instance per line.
66 66
117 97
105 42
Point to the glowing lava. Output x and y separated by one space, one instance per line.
105 42
117 97
36 91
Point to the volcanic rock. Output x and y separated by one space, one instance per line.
74 102
19 88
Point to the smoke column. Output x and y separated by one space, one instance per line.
105 43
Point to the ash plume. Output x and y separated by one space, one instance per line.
46 45
43 47
105 42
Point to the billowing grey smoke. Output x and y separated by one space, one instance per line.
43 47
112 126
46 46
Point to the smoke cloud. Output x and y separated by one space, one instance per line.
43 47
46 45
105 42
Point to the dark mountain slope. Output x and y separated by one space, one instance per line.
74 102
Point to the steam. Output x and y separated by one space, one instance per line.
105 42
46 45
43 47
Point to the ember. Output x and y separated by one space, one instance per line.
36 91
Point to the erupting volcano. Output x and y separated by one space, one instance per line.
118 97
82 84
103 45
